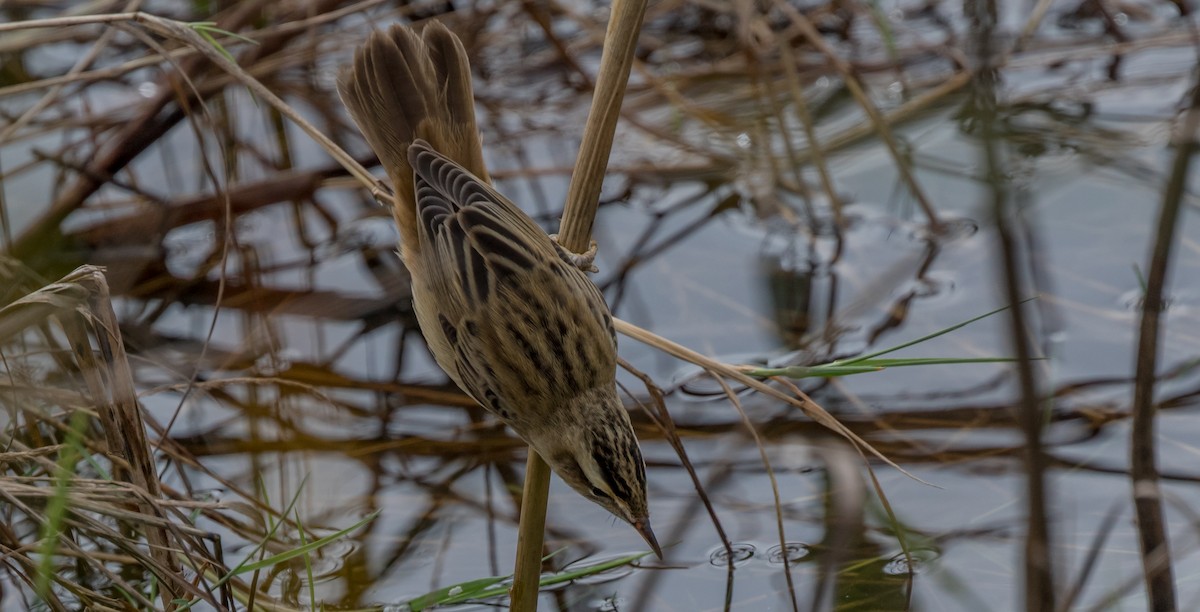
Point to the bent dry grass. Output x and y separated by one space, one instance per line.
88 524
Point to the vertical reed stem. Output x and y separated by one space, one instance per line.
616 59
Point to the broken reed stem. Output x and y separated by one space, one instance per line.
81 303
124 428
111 384
583 196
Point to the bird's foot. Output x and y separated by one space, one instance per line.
584 261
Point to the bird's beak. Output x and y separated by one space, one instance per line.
643 527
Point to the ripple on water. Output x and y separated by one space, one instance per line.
741 553
326 563
795 552
696 385
921 558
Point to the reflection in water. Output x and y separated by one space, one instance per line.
274 346
796 305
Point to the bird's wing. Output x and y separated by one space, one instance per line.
485 237
525 325
471 369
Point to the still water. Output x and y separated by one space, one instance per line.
706 238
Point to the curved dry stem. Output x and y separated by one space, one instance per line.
662 419
800 400
762 453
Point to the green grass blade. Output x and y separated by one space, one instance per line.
870 362
306 548
919 361
935 334
56 506
312 586
484 588
837 368
821 371
211 26
463 591
205 30
1141 278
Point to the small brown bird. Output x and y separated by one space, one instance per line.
506 311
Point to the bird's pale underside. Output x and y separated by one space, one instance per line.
506 312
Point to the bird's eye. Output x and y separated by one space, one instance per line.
598 492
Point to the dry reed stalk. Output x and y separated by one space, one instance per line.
100 510
112 380
1013 276
81 304
583 197
1153 540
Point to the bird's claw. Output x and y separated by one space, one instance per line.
584 261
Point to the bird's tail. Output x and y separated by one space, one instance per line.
403 86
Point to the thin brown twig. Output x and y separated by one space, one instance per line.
662 419
1038 571
801 400
762 453
1147 493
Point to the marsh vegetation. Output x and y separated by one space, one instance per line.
215 391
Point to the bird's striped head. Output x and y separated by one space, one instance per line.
598 455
